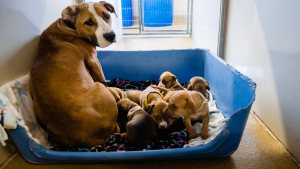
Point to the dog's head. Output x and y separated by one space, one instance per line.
180 104
156 110
92 21
198 84
167 80
124 105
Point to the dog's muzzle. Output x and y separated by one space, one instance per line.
110 37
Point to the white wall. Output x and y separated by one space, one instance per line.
263 42
206 15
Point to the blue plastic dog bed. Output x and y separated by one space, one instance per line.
233 92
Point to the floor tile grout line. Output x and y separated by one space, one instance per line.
9 159
274 137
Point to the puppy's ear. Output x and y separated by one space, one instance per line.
150 107
190 103
174 77
207 86
109 7
69 13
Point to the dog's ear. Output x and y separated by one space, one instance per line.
69 13
150 107
174 77
109 7
190 103
207 86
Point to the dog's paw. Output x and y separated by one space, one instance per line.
204 136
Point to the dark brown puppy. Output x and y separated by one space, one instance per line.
152 101
189 105
134 95
169 81
66 82
198 84
140 129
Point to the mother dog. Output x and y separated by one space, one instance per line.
67 83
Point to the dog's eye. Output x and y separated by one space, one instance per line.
174 106
164 82
107 16
89 22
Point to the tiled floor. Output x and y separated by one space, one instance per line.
257 150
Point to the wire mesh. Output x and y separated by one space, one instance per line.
157 16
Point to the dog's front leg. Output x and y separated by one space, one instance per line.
95 69
204 130
189 127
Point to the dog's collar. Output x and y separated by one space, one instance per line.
176 83
69 24
146 98
205 100
132 110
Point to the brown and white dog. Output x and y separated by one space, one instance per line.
169 81
189 105
152 101
66 82
199 84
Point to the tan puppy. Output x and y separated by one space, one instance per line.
139 126
117 93
190 105
169 81
198 84
166 93
134 95
65 82
152 101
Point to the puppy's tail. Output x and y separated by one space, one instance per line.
165 91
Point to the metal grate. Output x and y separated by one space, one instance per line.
156 17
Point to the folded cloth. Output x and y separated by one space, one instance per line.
15 100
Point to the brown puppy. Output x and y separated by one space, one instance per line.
169 81
198 84
166 93
117 93
190 105
152 101
140 129
69 98
134 95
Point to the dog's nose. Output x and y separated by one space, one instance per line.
163 125
110 37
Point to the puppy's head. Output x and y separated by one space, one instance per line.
124 105
92 21
198 84
156 110
180 104
167 80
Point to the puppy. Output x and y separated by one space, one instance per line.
140 129
166 93
169 81
190 105
134 95
115 93
198 84
152 101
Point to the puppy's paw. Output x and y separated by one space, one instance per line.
204 136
